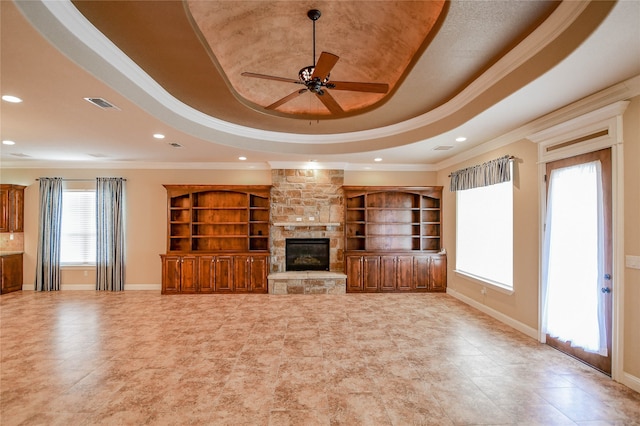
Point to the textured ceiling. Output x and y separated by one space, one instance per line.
396 40
376 42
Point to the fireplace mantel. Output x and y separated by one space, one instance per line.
290 225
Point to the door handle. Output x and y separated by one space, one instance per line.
605 290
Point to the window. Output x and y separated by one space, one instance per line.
78 234
484 234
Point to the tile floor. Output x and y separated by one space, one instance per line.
85 358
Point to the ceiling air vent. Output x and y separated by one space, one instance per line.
102 103
443 147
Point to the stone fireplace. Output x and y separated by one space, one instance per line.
307 204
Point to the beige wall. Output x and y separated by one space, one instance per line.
373 178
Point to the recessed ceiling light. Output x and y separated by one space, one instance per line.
242 158
461 139
378 159
8 143
12 99
158 135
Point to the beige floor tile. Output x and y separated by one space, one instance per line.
354 359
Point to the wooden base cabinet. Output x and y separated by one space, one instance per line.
250 274
10 272
218 273
363 273
430 273
396 273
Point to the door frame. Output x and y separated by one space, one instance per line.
590 132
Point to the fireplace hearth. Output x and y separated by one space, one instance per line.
307 254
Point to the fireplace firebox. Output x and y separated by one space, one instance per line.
307 254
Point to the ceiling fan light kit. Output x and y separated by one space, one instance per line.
315 78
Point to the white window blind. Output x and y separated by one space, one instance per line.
484 233
78 243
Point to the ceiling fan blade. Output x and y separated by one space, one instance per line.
360 87
270 77
286 99
325 64
330 102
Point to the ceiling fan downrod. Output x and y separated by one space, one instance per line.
314 15
313 84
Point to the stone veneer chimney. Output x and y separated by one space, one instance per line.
301 194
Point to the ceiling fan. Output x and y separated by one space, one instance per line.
315 78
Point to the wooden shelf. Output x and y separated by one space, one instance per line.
392 218
215 218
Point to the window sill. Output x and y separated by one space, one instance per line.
501 288
78 267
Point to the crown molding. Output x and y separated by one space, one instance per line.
590 104
130 165
288 165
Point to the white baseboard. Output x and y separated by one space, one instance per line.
523 328
630 381
84 287
143 287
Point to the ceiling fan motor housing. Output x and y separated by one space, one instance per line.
314 14
315 78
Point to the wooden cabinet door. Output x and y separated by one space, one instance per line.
11 208
16 210
10 273
4 209
354 273
371 273
388 273
241 273
438 273
421 273
188 280
206 274
404 273
224 273
171 267
259 268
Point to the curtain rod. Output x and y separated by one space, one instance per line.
511 158
79 180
